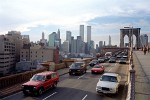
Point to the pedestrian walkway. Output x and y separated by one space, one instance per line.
142 75
16 88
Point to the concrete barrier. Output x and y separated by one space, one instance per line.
18 78
131 79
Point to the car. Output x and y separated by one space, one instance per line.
101 60
93 62
40 82
112 60
125 56
108 83
77 68
97 69
122 61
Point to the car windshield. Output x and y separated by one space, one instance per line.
122 59
97 66
94 61
38 78
77 65
109 78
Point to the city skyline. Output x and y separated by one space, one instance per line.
49 16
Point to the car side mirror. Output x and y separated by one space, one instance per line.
100 79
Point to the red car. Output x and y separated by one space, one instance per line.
97 69
40 82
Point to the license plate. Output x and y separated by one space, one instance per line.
27 91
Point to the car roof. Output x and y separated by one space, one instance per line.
79 62
111 74
45 73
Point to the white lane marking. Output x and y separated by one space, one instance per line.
115 64
109 69
49 96
84 97
81 76
11 95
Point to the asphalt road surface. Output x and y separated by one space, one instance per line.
81 87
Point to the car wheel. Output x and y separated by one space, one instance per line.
40 91
70 74
55 85
116 91
25 93
92 72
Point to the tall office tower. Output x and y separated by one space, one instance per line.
92 50
109 41
97 48
52 39
72 48
7 55
88 34
82 32
65 46
144 39
58 34
79 44
58 39
17 38
100 44
43 40
89 38
68 36
104 43
42 35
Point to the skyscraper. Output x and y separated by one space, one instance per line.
42 35
79 44
65 46
144 40
109 41
68 36
58 34
58 39
52 39
82 32
89 38
43 40
104 43
100 44
88 34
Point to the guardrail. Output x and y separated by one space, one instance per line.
131 79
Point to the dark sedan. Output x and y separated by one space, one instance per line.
93 62
77 68
122 61
112 60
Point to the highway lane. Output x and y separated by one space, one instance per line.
80 87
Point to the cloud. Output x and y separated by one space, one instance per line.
105 17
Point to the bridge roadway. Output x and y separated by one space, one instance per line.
81 87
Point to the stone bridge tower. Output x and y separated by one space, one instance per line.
129 31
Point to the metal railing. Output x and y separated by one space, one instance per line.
131 78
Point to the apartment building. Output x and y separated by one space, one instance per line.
7 55
38 54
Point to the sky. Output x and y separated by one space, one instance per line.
106 17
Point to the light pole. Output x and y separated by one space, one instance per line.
131 45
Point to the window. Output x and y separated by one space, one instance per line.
48 77
54 75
